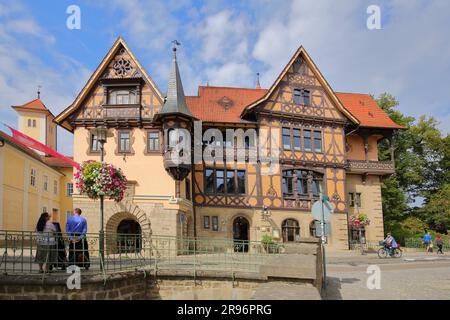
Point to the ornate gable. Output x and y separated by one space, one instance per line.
301 90
118 64
300 93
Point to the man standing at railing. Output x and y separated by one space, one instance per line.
76 229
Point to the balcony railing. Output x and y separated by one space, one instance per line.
122 111
362 166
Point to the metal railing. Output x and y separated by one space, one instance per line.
368 246
21 252
418 243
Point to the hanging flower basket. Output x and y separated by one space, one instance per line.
97 179
359 221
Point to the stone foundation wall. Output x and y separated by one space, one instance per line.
127 286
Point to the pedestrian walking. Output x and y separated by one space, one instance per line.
428 241
439 243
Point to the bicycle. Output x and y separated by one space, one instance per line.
384 251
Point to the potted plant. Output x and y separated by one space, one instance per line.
359 222
96 179
268 243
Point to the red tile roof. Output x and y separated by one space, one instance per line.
225 104
222 104
34 105
366 110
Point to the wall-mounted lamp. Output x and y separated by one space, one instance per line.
265 214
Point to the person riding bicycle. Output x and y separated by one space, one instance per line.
390 243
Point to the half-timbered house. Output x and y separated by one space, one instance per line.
327 142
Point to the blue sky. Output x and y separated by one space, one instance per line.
226 43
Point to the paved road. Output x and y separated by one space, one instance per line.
414 276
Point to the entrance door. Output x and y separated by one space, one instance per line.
128 236
241 234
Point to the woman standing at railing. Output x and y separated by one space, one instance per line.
46 242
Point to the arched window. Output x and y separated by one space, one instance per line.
290 230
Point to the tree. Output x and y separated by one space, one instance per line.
422 161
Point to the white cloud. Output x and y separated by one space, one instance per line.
21 69
230 74
409 56
222 37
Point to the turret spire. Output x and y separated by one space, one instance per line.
175 102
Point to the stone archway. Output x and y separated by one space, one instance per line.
117 213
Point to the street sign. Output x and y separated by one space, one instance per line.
327 227
317 210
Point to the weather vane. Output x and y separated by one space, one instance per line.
175 43
39 91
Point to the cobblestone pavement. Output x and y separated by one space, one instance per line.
414 276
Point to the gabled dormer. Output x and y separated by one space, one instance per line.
119 93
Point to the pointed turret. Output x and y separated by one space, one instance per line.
175 102
176 120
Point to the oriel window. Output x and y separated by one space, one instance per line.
173 139
124 141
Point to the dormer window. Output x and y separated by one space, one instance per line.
122 96
302 96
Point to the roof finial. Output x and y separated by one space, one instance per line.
39 92
258 86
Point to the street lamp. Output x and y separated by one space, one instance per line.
101 134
